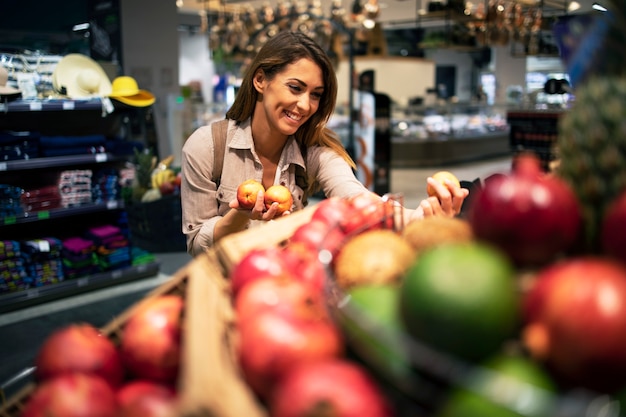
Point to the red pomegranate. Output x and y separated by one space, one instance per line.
72 395
575 321
272 342
531 216
79 347
613 233
150 342
333 387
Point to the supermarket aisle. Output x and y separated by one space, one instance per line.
22 331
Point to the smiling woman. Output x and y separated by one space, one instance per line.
276 134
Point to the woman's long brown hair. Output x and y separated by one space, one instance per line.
284 48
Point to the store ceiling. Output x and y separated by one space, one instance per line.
390 10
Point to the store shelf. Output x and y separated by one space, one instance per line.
61 212
68 117
59 161
20 299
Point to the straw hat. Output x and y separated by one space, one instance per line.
6 90
78 76
126 90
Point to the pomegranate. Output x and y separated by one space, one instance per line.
72 395
303 263
146 399
531 216
79 348
137 388
331 211
613 233
333 387
271 342
317 235
261 261
150 342
575 321
368 211
285 295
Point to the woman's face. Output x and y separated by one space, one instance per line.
291 97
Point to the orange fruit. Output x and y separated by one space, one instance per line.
442 176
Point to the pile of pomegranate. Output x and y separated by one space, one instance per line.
80 372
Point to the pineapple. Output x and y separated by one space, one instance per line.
592 135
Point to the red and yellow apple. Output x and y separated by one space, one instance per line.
278 194
247 193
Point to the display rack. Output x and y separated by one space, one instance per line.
67 118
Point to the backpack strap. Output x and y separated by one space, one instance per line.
219 131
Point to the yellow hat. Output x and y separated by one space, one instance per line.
126 90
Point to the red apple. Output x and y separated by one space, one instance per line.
167 188
72 395
79 348
257 262
613 234
247 193
271 342
333 387
575 321
150 342
278 194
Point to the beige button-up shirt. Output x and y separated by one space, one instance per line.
203 204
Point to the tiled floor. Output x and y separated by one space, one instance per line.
22 331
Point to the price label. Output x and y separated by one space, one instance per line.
43 215
81 282
10 220
3 166
34 293
101 157
116 274
69 105
112 205
35 106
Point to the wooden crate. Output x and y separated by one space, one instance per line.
210 383
232 248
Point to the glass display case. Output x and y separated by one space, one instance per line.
448 133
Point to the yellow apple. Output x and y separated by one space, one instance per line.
442 176
279 194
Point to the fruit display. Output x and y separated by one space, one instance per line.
462 316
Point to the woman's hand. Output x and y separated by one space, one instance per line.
259 211
447 201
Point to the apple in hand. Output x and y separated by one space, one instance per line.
278 194
442 176
247 193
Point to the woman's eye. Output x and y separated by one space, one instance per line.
317 96
295 87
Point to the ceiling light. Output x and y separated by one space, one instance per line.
598 7
573 6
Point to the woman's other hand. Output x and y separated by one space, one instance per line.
447 201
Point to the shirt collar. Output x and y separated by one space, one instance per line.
242 139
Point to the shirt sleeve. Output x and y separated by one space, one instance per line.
200 210
333 173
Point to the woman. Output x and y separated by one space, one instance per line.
276 127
